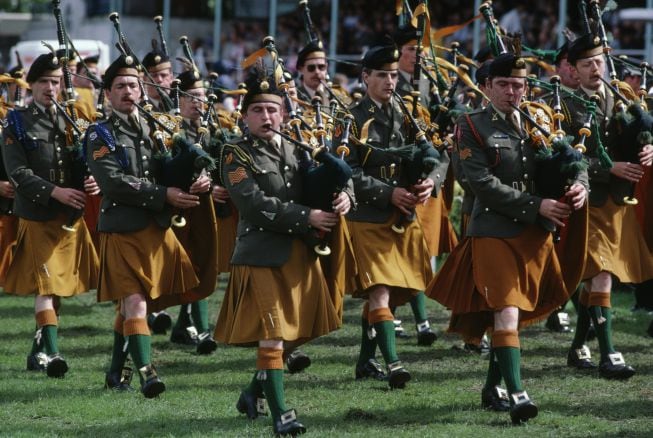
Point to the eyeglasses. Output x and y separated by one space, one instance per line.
311 67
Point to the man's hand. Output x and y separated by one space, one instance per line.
220 194
341 204
403 200
322 220
201 185
7 190
628 171
577 194
180 199
423 190
90 186
646 156
555 211
71 197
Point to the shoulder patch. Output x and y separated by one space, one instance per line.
237 176
465 153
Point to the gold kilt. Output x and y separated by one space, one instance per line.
486 274
8 231
572 247
150 262
644 194
49 260
616 244
290 302
199 238
438 232
384 257
227 228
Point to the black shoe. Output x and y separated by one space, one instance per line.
37 362
206 344
580 358
152 386
251 405
159 322
650 329
522 409
187 336
372 370
399 330
56 366
425 336
616 368
558 322
119 381
297 361
397 375
495 399
287 424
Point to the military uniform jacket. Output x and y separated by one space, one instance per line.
36 160
405 87
602 182
375 173
304 95
121 160
265 185
500 171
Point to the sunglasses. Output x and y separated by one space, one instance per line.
311 67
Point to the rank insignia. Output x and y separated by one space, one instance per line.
465 153
102 152
229 159
136 185
237 175
269 215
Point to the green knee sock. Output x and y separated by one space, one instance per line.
183 320
509 359
418 304
274 394
139 348
602 319
368 346
118 354
576 296
49 339
582 326
254 386
200 314
493 371
385 338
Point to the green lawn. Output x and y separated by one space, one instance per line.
442 399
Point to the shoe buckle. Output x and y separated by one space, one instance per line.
394 366
520 397
501 393
376 365
260 406
41 359
423 326
53 357
583 353
616 359
202 335
288 417
371 333
147 372
192 332
126 375
563 319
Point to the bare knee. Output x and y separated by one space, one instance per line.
379 297
134 306
506 319
43 302
602 282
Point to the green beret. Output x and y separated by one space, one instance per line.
44 65
122 66
586 46
507 65
382 56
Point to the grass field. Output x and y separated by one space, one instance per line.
442 399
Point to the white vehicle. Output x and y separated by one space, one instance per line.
29 50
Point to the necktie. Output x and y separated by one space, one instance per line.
135 124
514 121
52 113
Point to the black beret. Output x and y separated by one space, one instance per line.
156 59
314 49
586 46
261 88
88 60
562 53
122 66
404 35
17 72
507 65
381 54
43 64
482 72
190 79
483 54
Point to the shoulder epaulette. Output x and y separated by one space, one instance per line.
15 123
